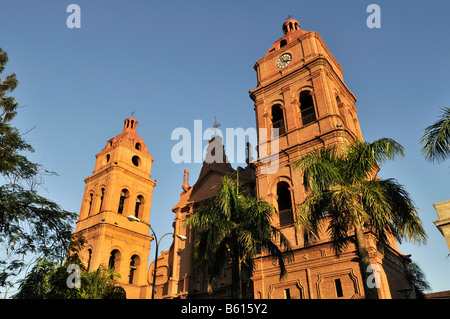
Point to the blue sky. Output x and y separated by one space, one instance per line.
174 62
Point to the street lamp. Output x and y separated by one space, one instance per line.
132 218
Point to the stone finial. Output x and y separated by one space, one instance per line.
186 184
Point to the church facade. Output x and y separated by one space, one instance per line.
301 94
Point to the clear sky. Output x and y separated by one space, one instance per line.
173 62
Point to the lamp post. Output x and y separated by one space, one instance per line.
132 218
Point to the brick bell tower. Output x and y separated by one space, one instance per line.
119 186
301 92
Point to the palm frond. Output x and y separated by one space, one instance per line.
310 215
363 158
436 139
320 169
404 213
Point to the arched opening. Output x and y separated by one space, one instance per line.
283 43
91 199
278 119
136 160
106 159
137 146
138 207
284 202
122 201
340 106
89 259
307 107
134 269
101 199
114 260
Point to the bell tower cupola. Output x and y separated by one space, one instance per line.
290 25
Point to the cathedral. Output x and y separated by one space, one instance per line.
301 92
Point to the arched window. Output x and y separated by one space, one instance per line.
283 43
91 198
136 160
284 204
122 201
307 107
134 269
114 260
278 118
341 108
101 199
89 259
138 206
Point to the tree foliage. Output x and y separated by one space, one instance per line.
48 279
436 139
418 279
29 223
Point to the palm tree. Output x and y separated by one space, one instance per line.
101 284
345 191
235 228
418 279
48 280
436 139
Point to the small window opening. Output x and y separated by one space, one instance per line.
135 159
89 259
123 197
91 198
278 119
134 264
137 208
338 285
284 204
341 109
307 108
101 199
132 270
113 259
287 293
138 146
283 43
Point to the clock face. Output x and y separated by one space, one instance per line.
284 60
